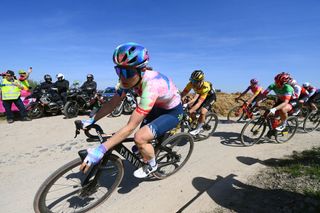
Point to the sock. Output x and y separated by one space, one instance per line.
200 125
152 162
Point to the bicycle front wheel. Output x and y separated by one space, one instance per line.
289 131
253 131
311 122
62 191
209 126
173 154
235 114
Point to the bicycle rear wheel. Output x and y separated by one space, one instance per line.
62 191
253 131
173 154
311 122
290 130
235 114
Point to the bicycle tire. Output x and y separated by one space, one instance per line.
257 122
167 153
314 117
231 112
289 128
40 205
208 126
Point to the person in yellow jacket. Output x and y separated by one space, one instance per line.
24 79
10 93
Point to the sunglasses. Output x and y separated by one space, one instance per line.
194 81
126 72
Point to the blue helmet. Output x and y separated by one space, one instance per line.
131 55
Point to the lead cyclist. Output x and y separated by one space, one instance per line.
158 111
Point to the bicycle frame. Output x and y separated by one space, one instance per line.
120 149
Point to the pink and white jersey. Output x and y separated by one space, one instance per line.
156 90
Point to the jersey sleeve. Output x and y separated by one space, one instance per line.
269 88
187 89
149 96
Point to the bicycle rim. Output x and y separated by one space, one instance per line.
252 132
311 122
173 154
209 126
235 114
290 130
62 191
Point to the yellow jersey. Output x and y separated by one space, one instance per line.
204 91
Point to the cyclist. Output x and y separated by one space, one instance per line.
296 94
159 109
203 100
284 93
256 90
310 95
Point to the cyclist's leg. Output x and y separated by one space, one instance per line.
153 128
284 116
204 108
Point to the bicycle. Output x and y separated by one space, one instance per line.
209 127
244 111
254 129
68 189
311 121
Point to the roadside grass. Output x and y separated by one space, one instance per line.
302 164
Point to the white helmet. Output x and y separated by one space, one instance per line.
60 75
292 82
306 84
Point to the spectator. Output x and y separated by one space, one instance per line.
63 86
24 79
10 91
89 86
47 84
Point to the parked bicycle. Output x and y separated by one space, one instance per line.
254 129
70 190
245 111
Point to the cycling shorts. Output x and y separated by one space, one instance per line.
161 120
208 102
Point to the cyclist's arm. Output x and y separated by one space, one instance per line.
200 101
135 119
311 93
186 90
195 97
243 93
254 96
109 106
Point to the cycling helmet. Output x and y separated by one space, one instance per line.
60 75
282 78
306 84
292 81
254 81
90 76
197 75
10 72
131 55
47 78
22 72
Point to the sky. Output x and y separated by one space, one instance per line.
232 41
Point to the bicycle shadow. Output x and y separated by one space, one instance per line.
250 161
237 196
226 121
228 138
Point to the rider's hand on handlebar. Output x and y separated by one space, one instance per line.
86 123
93 157
273 111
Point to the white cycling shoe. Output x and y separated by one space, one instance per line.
145 171
196 131
282 126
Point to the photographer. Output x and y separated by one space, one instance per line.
10 92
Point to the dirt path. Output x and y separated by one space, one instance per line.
31 151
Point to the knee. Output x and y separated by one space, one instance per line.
139 139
